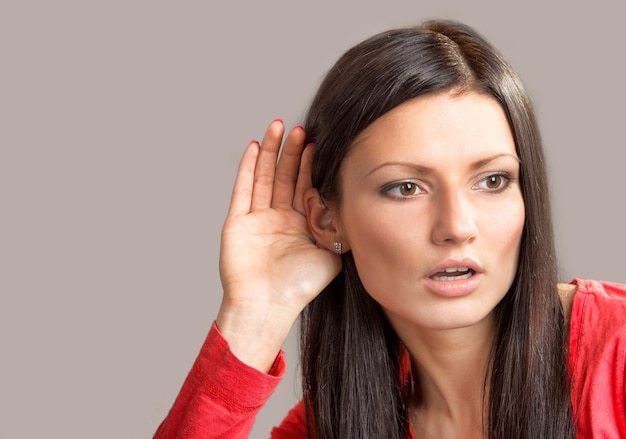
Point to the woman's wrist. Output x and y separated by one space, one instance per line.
255 337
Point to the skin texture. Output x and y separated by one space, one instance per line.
270 266
445 202
430 184
400 234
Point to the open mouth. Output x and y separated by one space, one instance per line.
452 274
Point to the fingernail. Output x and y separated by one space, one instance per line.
277 120
310 145
299 127
254 141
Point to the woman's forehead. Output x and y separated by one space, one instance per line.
438 127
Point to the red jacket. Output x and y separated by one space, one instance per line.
221 396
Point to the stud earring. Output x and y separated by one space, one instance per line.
337 245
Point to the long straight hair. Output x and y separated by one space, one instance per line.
354 380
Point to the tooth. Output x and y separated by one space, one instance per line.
451 278
455 269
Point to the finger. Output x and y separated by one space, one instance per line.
242 190
266 166
287 169
304 178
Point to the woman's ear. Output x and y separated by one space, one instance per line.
323 222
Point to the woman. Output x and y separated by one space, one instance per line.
413 236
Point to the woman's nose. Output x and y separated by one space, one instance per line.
455 221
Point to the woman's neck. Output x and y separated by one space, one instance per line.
450 367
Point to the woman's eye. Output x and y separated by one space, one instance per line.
403 189
494 182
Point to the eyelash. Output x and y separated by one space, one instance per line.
388 188
508 178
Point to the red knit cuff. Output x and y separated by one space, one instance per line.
222 374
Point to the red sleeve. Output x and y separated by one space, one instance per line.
597 351
220 396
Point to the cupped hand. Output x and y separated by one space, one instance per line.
270 266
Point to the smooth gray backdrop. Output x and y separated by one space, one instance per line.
121 126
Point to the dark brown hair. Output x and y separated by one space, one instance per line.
351 358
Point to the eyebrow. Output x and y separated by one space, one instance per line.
426 170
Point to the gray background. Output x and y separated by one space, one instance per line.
121 126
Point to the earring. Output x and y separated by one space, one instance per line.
338 247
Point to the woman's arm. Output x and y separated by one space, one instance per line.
270 268
221 395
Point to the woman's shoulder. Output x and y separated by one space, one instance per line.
609 290
593 307
591 292
582 295
597 355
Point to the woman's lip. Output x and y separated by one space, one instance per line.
453 288
449 263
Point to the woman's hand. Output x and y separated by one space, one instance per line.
270 266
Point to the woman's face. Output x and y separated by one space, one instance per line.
432 210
